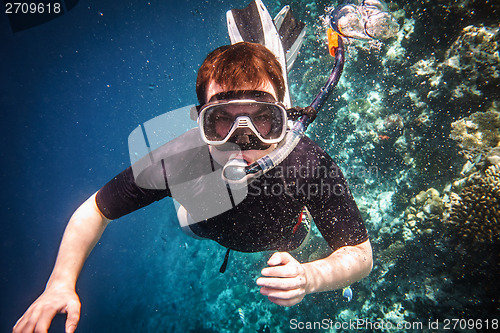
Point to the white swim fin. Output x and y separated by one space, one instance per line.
283 36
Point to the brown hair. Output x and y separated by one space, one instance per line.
233 65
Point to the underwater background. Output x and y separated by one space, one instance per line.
414 124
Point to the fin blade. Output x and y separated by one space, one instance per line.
245 25
278 19
292 33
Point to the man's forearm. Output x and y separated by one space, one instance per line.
82 233
343 267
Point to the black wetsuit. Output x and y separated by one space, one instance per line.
260 217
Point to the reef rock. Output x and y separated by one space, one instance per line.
480 130
475 56
471 65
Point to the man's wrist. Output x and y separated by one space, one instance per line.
59 282
310 278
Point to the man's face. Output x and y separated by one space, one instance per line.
252 155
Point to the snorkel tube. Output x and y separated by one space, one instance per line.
237 171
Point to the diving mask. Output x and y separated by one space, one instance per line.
226 120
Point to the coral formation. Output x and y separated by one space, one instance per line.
425 213
469 67
393 125
475 56
391 253
493 156
475 212
480 130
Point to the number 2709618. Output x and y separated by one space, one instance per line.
32 8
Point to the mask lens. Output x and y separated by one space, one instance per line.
268 120
217 123
220 121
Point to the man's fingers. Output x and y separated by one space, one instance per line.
73 317
281 284
35 319
281 294
40 314
44 319
19 324
284 282
285 302
282 271
279 258
28 321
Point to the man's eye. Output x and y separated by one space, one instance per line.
222 118
262 118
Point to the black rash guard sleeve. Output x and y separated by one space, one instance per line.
322 187
150 178
121 196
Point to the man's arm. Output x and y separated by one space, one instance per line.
287 281
82 233
340 269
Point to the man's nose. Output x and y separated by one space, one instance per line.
242 135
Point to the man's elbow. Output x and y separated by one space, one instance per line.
369 267
367 257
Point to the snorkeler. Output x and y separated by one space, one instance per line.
242 115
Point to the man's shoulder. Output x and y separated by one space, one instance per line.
308 148
308 160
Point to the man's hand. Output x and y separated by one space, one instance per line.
82 233
284 283
53 301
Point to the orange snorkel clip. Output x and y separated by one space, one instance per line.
333 41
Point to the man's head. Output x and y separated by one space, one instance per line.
244 64
230 74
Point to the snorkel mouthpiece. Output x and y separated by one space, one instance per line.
237 172
234 170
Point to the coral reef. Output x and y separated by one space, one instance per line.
474 56
359 105
478 189
388 256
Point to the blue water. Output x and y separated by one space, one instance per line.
74 88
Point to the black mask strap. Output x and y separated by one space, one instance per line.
224 264
257 95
